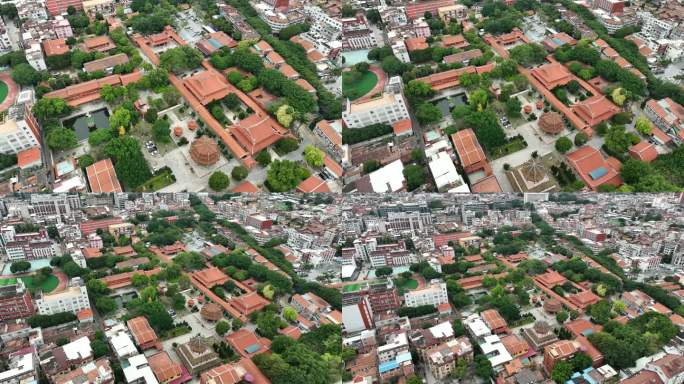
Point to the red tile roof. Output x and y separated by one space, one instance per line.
594 170
141 331
416 43
313 184
102 177
643 151
469 150
28 157
245 187
55 47
402 126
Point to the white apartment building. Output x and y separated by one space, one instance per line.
34 56
74 299
654 28
325 26
31 10
19 130
447 178
387 108
667 115
62 27
400 51
357 34
5 43
435 294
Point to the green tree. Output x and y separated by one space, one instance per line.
285 115
50 108
581 139
290 314
99 347
20 266
85 160
285 175
643 125
428 113
25 75
129 163
483 367
415 176
616 139
239 172
313 156
601 312
218 181
222 327
180 59
561 316
161 131
478 99
105 305
383 271
61 138
121 117
513 107
561 372
263 158
563 144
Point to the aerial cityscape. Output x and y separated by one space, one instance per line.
168 288
107 96
561 288
341 191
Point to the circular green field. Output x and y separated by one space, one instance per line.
47 286
355 88
4 89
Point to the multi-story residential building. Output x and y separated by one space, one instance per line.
73 299
98 371
31 10
357 314
357 33
443 358
62 28
387 108
400 51
15 301
394 357
416 222
654 28
561 350
29 250
391 255
233 15
54 205
5 43
668 116
458 12
324 25
610 6
22 367
34 56
58 7
19 130
434 294
280 16
103 7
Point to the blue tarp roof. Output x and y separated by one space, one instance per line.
598 173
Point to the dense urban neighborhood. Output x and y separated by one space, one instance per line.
109 96
514 289
168 288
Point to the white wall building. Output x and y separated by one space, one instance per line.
74 299
387 108
434 294
18 130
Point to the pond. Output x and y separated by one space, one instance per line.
355 57
83 125
446 104
124 298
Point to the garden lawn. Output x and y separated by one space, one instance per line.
351 287
407 285
359 88
47 286
4 90
158 182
